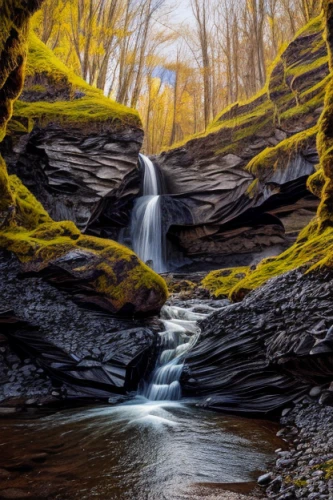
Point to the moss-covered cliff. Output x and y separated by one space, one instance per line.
313 249
244 179
102 272
13 47
83 146
49 83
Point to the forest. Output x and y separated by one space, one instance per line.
179 73
166 249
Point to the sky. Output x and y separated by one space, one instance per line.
183 12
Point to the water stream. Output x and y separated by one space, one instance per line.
180 333
156 446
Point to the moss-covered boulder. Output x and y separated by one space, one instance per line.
96 271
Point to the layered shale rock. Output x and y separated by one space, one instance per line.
257 356
277 344
66 145
244 181
84 353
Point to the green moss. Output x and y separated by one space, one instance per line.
29 212
327 467
219 283
114 271
325 149
16 127
316 182
181 286
36 88
280 155
302 109
91 107
253 188
122 277
312 250
313 26
277 103
300 69
299 483
13 44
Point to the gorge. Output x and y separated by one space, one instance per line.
138 292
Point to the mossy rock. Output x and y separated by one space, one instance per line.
280 156
327 467
313 249
294 91
15 16
181 286
54 94
103 272
219 283
316 183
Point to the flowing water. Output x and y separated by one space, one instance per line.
156 446
180 333
148 239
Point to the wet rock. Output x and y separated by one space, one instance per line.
7 411
315 391
15 494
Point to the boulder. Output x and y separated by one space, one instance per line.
109 274
89 353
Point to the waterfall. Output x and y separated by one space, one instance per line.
180 334
148 240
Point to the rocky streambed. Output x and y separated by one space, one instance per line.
267 354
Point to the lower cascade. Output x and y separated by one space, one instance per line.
180 334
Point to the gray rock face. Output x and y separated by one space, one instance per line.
231 204
221 213
258 355
87 353
74 172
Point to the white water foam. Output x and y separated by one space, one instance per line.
148 239
180 334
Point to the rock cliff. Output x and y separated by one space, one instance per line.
243 182
98 272
65 143
277 343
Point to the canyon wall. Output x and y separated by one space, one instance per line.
243 182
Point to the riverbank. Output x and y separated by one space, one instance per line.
305 470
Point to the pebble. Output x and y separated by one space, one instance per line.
315 392
265 479
308 430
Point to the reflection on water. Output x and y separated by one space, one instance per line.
148 450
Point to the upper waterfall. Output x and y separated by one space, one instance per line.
150 179
148 239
